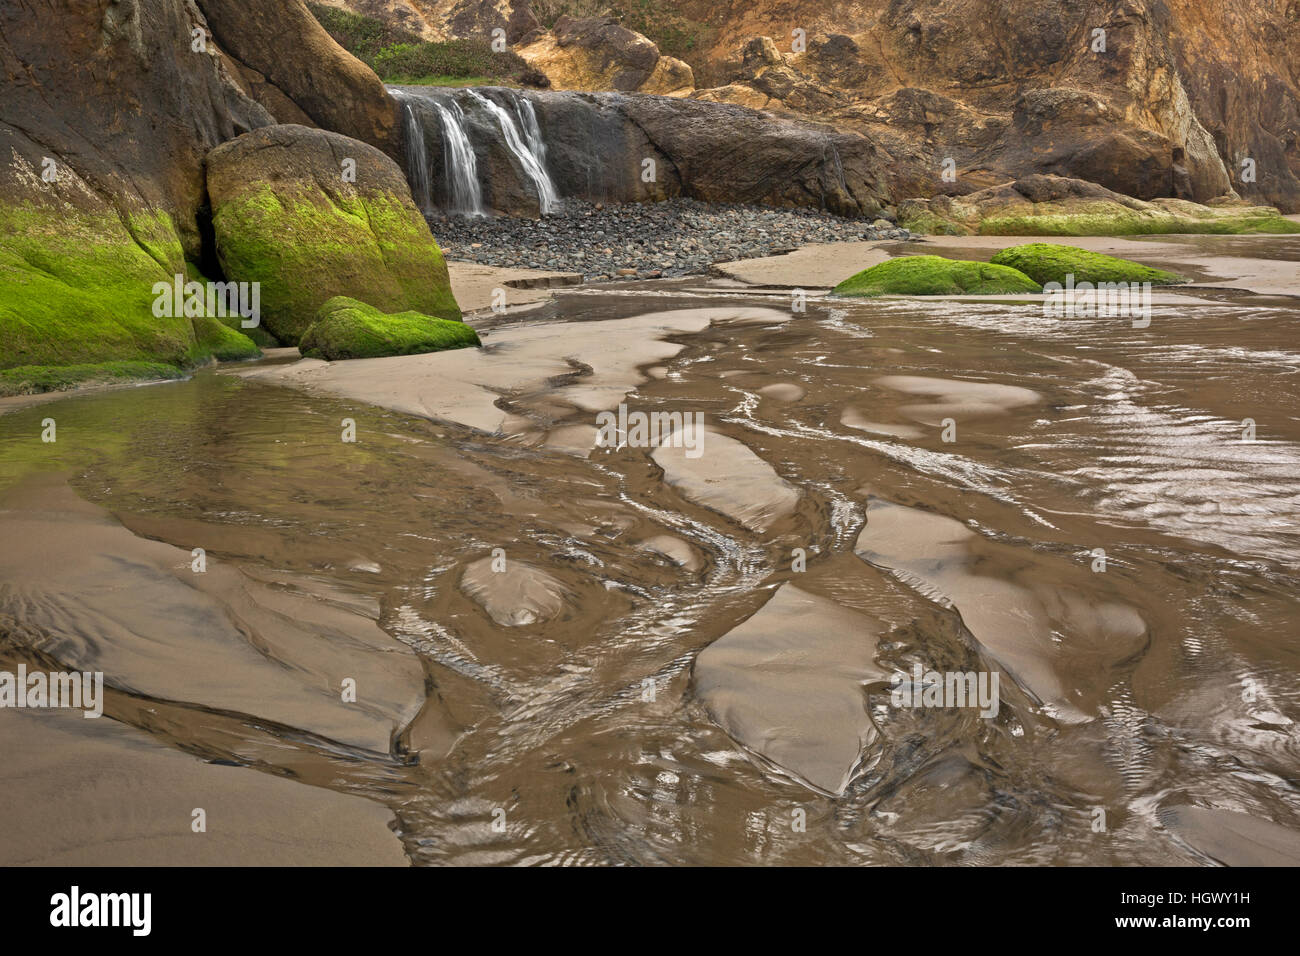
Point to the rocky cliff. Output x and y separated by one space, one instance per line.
1188 99
1126 93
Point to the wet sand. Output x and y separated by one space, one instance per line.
677 653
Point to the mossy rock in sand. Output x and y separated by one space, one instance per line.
935 275
285 216
1046 262
348 329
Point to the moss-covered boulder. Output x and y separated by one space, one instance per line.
311 215
1041 205
78 292
348 329
935 275
1046 262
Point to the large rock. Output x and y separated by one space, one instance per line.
104 123
284 216
348 329
280 42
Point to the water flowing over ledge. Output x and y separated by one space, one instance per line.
492 150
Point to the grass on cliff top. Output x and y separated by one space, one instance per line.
935 275
399 56
456 81
348 329
1046 262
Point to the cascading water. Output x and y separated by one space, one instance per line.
464 191
417 154
527 148
472 126
532 132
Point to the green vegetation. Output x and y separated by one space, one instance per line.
935 275
399 56
1127 223
306 250
31 379
1046 262
675 35
77 297
213 339
348 329
1089 217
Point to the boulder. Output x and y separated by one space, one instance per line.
348 329
1046 262
935 275
725 153
296 59
286 215
103 125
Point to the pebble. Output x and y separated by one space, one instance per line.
677 237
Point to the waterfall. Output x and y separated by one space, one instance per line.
532 132
463 188
473 126
417 154
531 155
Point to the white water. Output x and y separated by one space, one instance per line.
531 154
464 192
417 154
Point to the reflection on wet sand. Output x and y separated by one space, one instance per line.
581 654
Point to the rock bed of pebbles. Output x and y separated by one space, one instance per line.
676 237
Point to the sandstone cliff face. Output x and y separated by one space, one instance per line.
1182 93
291 54
438 19
1026 87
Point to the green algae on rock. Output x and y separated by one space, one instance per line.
1046 262
1041 205
348 329
935 275
77 290
32 379
311 215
